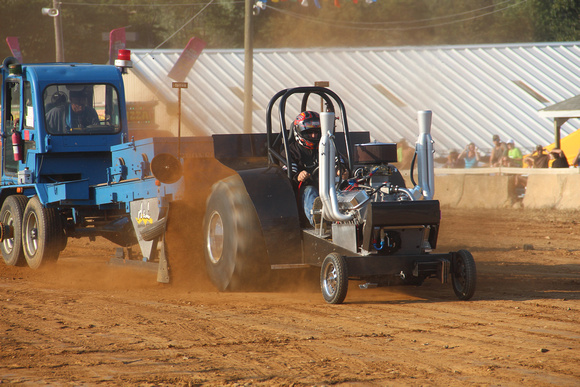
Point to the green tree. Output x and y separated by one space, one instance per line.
555 20
171 23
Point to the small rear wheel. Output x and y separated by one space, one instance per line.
464 275
11 215
334 278
42 234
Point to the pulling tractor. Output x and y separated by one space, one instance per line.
370 228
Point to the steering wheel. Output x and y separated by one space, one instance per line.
314 173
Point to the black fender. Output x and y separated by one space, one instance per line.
275 202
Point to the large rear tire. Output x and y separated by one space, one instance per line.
235 252
42 234
464 275
334 278
11 215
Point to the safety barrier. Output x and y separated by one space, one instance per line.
549 188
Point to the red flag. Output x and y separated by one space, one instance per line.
14 47
187 58
116 43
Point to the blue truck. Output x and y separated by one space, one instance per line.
70 169
64 178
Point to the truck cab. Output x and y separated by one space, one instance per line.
45 137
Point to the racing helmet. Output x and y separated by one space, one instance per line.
306 129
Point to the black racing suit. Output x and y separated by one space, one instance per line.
304 159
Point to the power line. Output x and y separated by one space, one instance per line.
147 5
179 29
362 25
385 23
205 5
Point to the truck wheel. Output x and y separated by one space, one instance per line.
334 278
11 215
42 234
235 252
463 275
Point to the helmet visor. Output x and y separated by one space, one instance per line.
311 135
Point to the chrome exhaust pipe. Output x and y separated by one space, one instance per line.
424 149
424 155
326 156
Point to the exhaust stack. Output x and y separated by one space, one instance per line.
326 156
424 151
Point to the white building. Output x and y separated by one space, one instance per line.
473 91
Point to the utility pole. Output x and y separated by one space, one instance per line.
54 13
58 33
248 65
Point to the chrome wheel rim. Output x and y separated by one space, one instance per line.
8 243
330 282
215 237
31 235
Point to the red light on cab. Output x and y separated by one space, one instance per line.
124 55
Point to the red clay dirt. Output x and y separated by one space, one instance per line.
84 322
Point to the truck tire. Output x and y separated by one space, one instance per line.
235 252
11 215
334 278
42 234
463 275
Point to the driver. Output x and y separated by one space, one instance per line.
77 114
82 114
304 153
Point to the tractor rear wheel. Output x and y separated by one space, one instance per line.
463 275
235 252
42 234
334 278
11 215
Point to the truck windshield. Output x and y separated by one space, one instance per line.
75 109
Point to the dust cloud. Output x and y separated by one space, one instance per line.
184 236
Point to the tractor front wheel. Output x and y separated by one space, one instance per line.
334 278
463 275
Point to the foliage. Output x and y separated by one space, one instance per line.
171 23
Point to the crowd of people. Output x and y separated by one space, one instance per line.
507 154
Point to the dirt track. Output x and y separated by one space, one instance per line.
85 323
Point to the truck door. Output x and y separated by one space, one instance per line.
27 125
11 120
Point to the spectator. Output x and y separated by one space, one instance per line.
514 156
498 152
453 160
559 157
538 159
470 156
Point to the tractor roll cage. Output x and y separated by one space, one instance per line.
285 135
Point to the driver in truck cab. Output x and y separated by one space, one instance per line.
76 114
304 154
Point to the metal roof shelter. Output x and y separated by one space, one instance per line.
474 91
562 112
